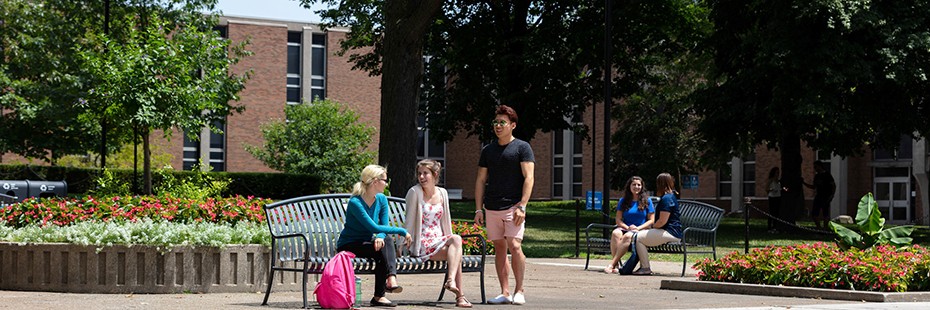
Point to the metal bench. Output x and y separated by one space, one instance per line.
699 220
304 232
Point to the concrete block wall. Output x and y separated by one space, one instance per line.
59 267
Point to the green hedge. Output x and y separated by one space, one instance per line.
81 180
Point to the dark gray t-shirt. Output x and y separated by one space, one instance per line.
505 178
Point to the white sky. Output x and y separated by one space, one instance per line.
287 10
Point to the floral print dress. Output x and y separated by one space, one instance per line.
431 237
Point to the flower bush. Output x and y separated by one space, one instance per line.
66 211
471 245
160 233
882 268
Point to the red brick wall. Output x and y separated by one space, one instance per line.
264 95
462 164
353 88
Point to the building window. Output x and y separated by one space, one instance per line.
428 148
905 151
217 141
294 39
725 181
318 67
191 152
749 176
213 142
566 165
223 31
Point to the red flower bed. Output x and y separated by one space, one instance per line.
64 211
882 268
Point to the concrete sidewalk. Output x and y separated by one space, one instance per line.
550 284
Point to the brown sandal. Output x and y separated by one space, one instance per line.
462 302
448 286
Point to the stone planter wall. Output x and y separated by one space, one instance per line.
59 267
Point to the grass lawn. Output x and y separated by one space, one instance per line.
550 232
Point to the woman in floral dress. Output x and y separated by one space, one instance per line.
430 223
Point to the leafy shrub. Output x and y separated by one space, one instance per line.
872 226
322 138
65 211
199 185
882 268
109 185
471 245
159 233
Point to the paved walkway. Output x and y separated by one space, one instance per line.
551 284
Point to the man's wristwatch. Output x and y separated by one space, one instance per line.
522 208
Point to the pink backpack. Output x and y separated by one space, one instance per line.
336 289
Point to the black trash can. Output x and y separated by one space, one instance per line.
15 188
44 189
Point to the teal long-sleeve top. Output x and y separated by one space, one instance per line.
363 220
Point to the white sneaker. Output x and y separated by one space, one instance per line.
500 299
519 299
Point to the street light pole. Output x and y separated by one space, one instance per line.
608 73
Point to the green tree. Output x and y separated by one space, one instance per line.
57 75
655 122
394 31
836 75
41 85
164 74
320 138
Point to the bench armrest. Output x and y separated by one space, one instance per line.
710 233
290 236
587 230
481 241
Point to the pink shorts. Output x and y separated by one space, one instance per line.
500 224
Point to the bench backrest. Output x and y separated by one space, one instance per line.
320 218
700 215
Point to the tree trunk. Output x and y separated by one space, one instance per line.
792 199
406 23
103 140
146 162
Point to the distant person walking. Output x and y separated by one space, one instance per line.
824 187
502 190
774 188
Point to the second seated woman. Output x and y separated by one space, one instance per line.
367 232
667 227
635 212
430 221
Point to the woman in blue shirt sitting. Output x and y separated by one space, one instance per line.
367 231
635 212
667 227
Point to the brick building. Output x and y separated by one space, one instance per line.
296 60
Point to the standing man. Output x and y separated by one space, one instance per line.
824 187
502 190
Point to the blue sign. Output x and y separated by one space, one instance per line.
689 181
595 202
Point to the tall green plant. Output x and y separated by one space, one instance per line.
872 226
320 138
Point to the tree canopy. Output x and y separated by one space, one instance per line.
837 75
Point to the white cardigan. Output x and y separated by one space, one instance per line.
414 219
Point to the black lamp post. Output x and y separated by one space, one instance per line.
608 69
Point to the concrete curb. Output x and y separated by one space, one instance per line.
791 291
